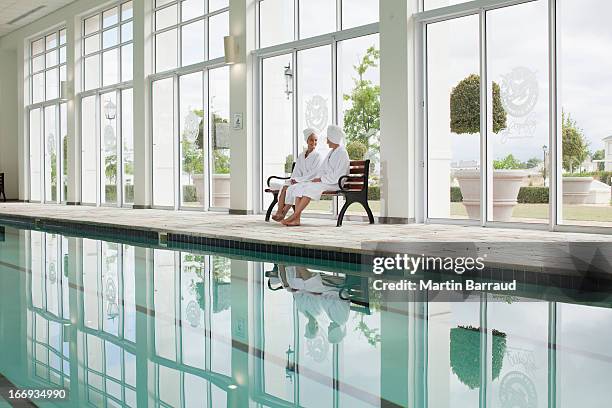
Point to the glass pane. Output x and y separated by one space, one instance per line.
127 70
62 71
276 22
127 136
217 29
51 84
166 17
51 157
92 44
452 339
192 47
359 75
64 152
159 3
35 154
315 101
38 46
38 63
453 151
92 24
165 51
518 77
38 87
51 58
192 9
89 156
62 37
219 134
110 17
108 132
584 89
110 37
583 354
317 17
127 11
163 142
51 41
92 72
126 32
433 4
193 140
62 55
110 63
214 5
277 118
359 12
520 334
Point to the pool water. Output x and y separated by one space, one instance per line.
134 325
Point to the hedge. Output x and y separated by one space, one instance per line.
526 195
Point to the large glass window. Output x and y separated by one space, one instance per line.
218 82
453 153
189 31
47 117
107 173
163 142
516 115
107 47
278 18
584 86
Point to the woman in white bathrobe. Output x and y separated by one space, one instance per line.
335 165
306 167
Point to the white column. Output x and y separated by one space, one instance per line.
397 136
73 128
242 27
10 163
143 62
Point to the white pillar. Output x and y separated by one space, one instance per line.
242 27
10 163
73 79
143 166
397 136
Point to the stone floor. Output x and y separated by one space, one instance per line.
313 232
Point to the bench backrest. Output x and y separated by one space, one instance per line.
358 179
1 179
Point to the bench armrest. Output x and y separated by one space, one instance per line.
340 183
276 177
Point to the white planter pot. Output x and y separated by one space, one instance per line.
506 186
220 189
576 189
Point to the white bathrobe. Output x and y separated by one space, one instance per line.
335 165
305 169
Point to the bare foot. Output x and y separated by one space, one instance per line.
278 217
291 222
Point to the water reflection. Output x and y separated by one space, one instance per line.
122 325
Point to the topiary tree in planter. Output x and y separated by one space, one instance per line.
465 354
465 107
356 150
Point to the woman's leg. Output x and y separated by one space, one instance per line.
282 208
300 204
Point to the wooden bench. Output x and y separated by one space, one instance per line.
354 189
2 187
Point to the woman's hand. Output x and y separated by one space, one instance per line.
316 180
293 181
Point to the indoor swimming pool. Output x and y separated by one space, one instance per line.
126 323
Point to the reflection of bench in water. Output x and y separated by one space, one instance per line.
349 287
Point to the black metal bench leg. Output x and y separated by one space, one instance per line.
366 205
342 211
271 207
4 196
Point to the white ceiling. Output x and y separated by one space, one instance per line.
11 9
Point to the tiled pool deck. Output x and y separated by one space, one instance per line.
251 232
